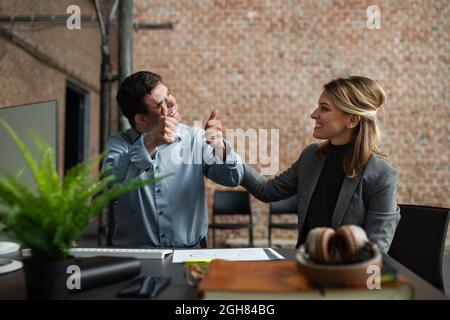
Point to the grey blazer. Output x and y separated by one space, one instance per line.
367 200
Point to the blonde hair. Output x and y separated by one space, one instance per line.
362 97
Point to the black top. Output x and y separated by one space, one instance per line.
323 200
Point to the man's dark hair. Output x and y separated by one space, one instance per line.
132 91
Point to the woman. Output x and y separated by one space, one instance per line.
345 179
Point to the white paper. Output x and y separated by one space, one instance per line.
245 254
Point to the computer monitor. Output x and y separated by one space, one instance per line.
41 117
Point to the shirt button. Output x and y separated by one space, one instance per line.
157 168
158 190
161 212
163 235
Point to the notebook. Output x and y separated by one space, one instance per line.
272 280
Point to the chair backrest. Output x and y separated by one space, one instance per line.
419 241
284 206
231 202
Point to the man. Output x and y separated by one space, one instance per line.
172 212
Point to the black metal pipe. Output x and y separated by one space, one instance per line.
105 95
125 34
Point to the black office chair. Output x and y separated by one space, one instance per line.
419 241
232 203
283 207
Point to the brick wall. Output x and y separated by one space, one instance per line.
76 54
262 63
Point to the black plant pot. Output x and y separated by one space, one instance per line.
46 279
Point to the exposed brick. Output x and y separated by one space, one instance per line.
263 63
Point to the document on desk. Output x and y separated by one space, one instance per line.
245 254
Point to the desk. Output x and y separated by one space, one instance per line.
12 285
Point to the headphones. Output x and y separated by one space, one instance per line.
348 244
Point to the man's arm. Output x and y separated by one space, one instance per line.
126 160
220 163
226 170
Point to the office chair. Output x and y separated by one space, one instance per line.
283 207
232 203
419 241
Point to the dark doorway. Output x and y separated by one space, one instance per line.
76 125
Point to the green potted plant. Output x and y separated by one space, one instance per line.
50 218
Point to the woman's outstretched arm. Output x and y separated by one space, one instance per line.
278 188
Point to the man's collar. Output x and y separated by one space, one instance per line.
133 134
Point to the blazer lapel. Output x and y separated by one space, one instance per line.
345 195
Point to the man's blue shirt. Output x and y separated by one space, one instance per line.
172 212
